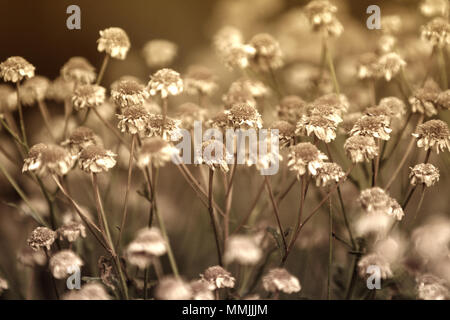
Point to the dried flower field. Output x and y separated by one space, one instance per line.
104 197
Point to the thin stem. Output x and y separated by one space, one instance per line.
110 127
331 67
164 114
408 197
229 199
211 215
252 207
15 137
330 251
422 196
442 67
276 212
55 287
21 118
102 69
46 117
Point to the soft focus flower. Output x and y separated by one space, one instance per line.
431 8
148 244
424 173
3 285
218 278
171 288
60 90
72 231
367 67
14 69
376 201
238 94
268 55
64 263
79 139
242 249
286 131
391 24
156 151
41 237
159 53
423 99
88 96
115 42
376 260
430 287
95 159
128 93
389 65
78 69
33 90
215 155
328 174
443 99
48 159
89 291
437 32
431 239
280 280
395 106
201 290
200 80
291 108
433 134
165 82
188 113
361 148
321 15
304 158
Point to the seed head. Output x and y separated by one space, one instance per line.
159 53
280 280
114 42
165 82
305 158
79 70
361 148
41 237
64 263
88 96
15 69
95 159
433 134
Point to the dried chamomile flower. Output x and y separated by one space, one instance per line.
214 155
128 93
148 244
268 55
437 32
395 106
15 69
349 121
95 159
201 290
280 280
372 126
89 291
430 287
361 148
188 113
376 201
367 67
305 158
423 99
322 17
115 42
389 65
156 151
200 80
72 231
133 120
171 288
3 285
424 173
79 139
165 82
41 237
79 70
443 100
323 128
373 259
60 90
329 174
218 278
286 131
238 94
159 53
391 24
244 116
88 96
33 90
168 130
433 134
330 104
243 249
48 159
220 121
431 8
291 108
64 263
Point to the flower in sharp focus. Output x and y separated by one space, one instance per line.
33 90
15 68
159 53
156 151
215 155
322 17
437 32
305 158
376 201
115 42
168 130
189 112
128 93
328 174
244 116
389 65
323 128
268 55
89 291
133 120
64 263
218 278
430 287
72 231
424 173
88 96
243 249
361 148
41 237
433 134
165 82
147 245
199 80
95 159
372 126
373 259
48 159
443 100
81 138
291 108
423 99
79 70
171 288
280 280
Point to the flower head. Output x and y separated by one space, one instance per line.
64 263
78 69
430 287
15 68
72 231
165 82
214 155
218 278
48 159
376 201
291 108
394 106
201 290
95 159
305 158
41 237
33 90
128 93
437 32
89 291
322 17
323 128
433 134
133 120
243 249
286 131
279 279
156 151
372 126
171 288
361 148
80 138
168 130
423 99
268 55
200 80
373 259
244 116
188 113
367 66
159 53
443 99
389 65
328 174
88 96
114 42
60 90
148 244
424 173
238 94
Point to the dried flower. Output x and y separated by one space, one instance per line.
159 53
88 96
321 15
95 159
128 93
443 99
328 174
423 100
361 148
372 126
305 158
279 279
148 244
243 249
437 32
433 133
89 291
60 90
368 66
238 56
33 90
214 155
72 231
286 131
376 201
218 278
268 55
430 287
396 107
244 116
291 108
323 128
188 113
79 139
165 82
200 80
64 263
389 65
15 69
374 259
238 94
115 42
171 288
168 130
133 120
48 159
78 69
41 237
156 151
424 173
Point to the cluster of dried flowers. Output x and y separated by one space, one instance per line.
366 113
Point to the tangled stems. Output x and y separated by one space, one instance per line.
276 212
211 215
